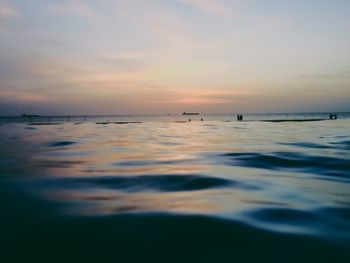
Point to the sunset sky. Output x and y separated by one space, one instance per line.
170 56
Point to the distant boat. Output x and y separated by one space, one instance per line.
30 115
190 113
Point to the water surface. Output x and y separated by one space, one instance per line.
217 190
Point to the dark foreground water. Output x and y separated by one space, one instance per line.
160 189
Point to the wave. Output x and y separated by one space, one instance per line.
165 183
333 166
308 145
155 237
61 143
340 145
345 145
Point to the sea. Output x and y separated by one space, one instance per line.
175 188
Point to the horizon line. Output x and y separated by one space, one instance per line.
175 114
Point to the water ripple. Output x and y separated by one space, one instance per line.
332 221
167 183
292 161
61 143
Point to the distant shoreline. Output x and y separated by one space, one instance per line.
176 114
294 120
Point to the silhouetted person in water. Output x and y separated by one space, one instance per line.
335 116
239 117
331 116
201 119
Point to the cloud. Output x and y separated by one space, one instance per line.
166 29
210 97
270 24
7 11
22 96
340 75
200 101
73 7
216 7
117 63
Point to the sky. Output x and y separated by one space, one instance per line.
170 56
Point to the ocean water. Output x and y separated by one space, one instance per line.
161 188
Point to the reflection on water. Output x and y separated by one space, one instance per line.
287 178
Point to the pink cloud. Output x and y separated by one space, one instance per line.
73 7
216 7
22 96
7 11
